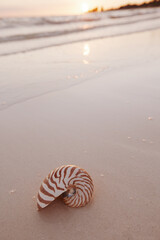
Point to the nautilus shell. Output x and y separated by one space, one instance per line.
71 182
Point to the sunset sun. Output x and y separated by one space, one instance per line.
85 7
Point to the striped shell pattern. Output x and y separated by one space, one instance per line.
72 182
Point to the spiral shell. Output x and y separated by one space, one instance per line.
72 182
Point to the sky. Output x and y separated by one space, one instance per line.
11 8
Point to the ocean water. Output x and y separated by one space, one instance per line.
48 54
28 34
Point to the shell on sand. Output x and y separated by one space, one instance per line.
72 182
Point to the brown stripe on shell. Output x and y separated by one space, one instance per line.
60 174
86 187
65 171
59 188
64 183
72 202
42 200
83 194
72 170
48 185
45 192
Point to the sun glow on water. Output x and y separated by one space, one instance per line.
86 50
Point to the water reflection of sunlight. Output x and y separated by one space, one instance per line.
86 50
85 61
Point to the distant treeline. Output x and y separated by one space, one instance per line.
153 3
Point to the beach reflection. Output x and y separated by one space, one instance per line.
86 53
86 49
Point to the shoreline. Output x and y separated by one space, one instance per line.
81 67
38 35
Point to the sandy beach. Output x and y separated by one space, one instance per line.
103 116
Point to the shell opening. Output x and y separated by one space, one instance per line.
70 192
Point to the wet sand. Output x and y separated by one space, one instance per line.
110 126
